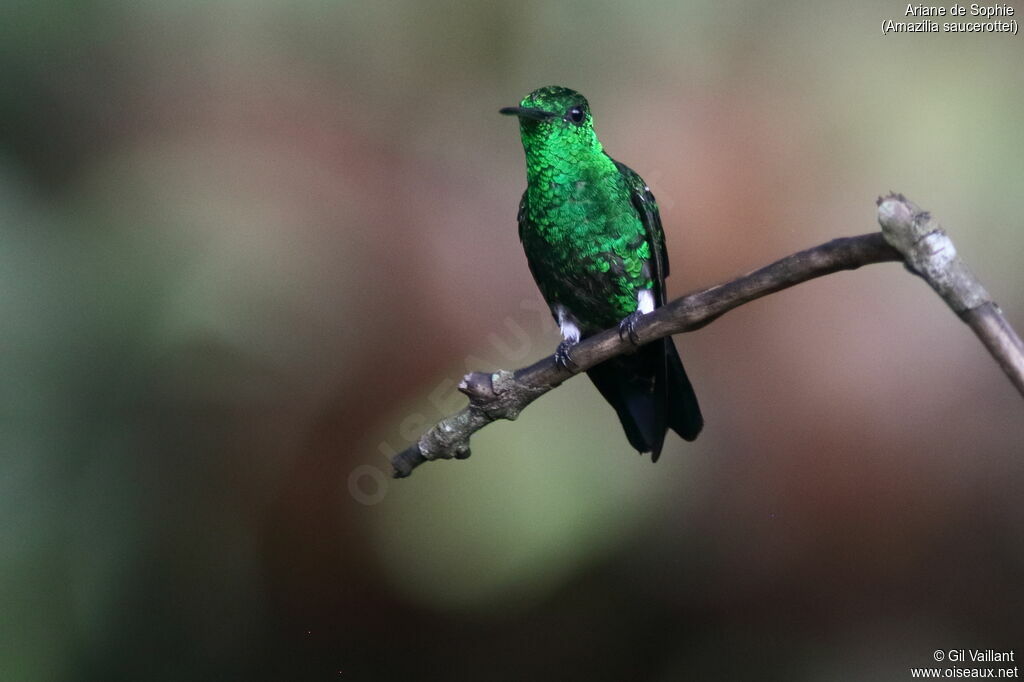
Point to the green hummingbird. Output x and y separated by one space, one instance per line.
595 246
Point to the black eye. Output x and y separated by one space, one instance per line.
576 115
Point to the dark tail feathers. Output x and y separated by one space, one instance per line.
651 394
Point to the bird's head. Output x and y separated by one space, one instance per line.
554 117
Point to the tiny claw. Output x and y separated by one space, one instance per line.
628 327
562 357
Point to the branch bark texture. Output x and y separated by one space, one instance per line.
929 252
908 235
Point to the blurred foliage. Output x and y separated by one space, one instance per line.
244 243
550 496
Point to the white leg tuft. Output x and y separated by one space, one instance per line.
645 301
567 324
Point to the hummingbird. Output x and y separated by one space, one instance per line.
595 246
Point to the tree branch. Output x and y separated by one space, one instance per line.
909 236
929 252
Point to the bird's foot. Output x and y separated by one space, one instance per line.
562 357
628 327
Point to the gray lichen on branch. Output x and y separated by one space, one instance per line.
909 235
929 252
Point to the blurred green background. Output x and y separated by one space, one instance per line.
248 249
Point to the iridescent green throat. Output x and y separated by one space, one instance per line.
568 174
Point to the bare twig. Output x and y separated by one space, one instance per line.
503 395
929 252
910 236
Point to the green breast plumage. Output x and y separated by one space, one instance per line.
585 242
